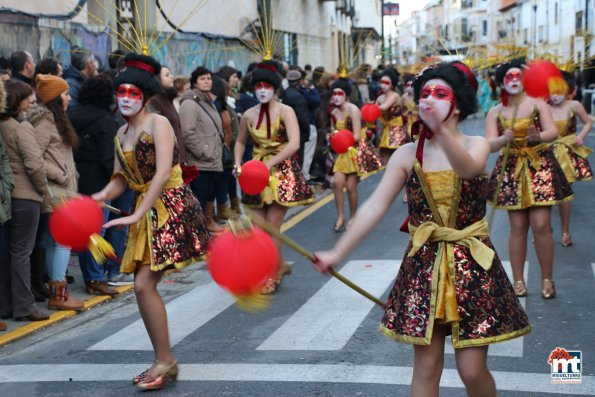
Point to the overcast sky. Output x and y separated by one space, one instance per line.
406 6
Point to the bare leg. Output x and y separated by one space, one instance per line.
274 214
152 311
473 369
339 179
540 219
427 365
517 242
352 195
565 211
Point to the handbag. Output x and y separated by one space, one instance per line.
227 157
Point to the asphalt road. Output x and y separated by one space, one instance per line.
318 338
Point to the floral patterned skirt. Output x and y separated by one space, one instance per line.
394 134
181 240
573 161
367 159
529 179
287 187
486 307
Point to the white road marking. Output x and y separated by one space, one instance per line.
331 316
511 348
181 311
319 373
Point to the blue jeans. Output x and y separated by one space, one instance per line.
118 238
56 256
92 271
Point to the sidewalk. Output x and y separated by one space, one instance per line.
18 330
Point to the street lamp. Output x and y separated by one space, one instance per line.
534 3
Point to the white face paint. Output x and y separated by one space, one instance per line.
264 95
513 81
384 87
130 99
436 98
338 100
556 99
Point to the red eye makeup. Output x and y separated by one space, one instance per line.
129 91
261 85
512 76
338 93
438 91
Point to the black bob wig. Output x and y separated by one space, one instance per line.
505 67
456 79
141 71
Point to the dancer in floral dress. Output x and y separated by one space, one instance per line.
394 132
451 281
569 148
167 227
275 133
531 181
357 161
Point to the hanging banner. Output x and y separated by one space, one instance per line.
391 9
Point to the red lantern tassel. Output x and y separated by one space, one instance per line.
102 250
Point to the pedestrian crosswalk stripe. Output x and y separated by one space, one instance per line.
332 315
212 300
300 373
510 348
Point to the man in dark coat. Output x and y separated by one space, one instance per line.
293 98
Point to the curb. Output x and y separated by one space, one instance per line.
57 317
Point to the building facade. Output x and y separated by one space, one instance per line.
187 33
559 29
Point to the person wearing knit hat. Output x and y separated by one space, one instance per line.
358 160
274 129
394 133
441 270
49 87
147 161
58 140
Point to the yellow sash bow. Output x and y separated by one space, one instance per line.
531 153
432 232
142 231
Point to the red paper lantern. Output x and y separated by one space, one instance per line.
73 223
242 264
254 177
370 112
342 140
538 76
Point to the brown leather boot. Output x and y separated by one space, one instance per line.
235 205
100 287
212 226
224 212
60 299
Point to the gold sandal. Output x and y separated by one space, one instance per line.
166 373
520 290
548 293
